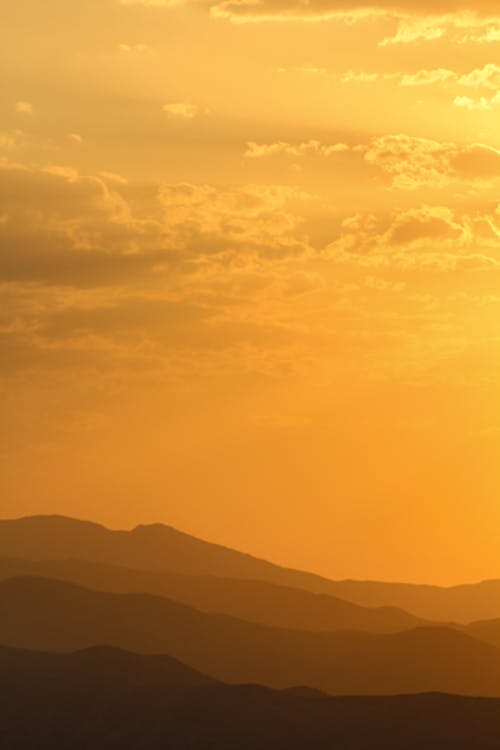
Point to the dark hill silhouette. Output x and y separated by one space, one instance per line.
464 604
104 699
485 630
154 547
256 601
95 667
159 547
56 616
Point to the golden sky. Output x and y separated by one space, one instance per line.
250 275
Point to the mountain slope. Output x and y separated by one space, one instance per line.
97 667
485 630
155 547
50 615
255 601
464 603
159 547
104 699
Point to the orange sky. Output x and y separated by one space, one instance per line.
250 275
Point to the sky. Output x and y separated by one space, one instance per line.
250 275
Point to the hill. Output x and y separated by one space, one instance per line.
255 601
162 548
154 547
108 699
485 630
57 616
465 603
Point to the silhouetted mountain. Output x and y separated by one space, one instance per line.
464 604
256 601
51 615
155 547
97 667
485 630
108 700
162 548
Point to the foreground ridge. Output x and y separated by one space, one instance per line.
108 698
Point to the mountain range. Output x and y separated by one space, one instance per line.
162 548
46 614
153 638
253 600
109 699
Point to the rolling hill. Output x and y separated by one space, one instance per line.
108 699
464 604
44 614
162 548
154 547
255 601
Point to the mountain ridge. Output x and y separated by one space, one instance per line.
80 707
162 547
44 614
256 601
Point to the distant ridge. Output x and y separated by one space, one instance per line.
152 547
256 601
49 615
463 603
95 667
162 548
107 699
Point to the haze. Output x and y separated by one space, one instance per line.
249 276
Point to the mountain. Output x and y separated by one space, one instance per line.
154 547
255 601
485 630
159 547
51 615
98 667
111 700
465 603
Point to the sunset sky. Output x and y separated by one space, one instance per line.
250 275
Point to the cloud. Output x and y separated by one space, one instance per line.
24 108
151 3
65 228
113 177
185 281
427 77
361 76
97 274
431 238
463 11
414 228
407 162
254 218
483 104
134 49
306 68
467 21
11 139
418 162
60 227
261 150
427 29
429 223
487 76
487 34
183 110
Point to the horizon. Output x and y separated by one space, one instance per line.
255 296
227 545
